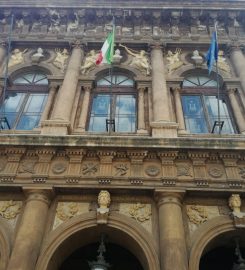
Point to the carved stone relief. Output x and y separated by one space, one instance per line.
184 169
59 167
215 171
198 214
90 168
67 210
61 59
89 62
173 60
242 172
27 166
121 169
142 213
16 57
10 210
152 170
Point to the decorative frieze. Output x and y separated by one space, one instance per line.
131 23
132 167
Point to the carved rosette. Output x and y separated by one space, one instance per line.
59 167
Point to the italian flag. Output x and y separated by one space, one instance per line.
107 51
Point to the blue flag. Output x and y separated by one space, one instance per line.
212 54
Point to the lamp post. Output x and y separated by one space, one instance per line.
240 260
100 264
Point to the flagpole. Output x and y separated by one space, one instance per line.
2 112
217 78
111 75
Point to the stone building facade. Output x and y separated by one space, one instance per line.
129 150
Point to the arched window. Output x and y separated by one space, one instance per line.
200 106
113 105
25 100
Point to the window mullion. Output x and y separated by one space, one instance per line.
206 114
21 110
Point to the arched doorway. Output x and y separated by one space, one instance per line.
215 238
225 252
82 232
116 256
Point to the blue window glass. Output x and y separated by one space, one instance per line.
194 115
23 108
200 113
113 101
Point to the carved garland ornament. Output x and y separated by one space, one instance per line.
65 211
10 209
140 212
197 214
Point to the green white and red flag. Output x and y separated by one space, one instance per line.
107 51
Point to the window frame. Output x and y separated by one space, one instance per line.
208 91
27 89
115 90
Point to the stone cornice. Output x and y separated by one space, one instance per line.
235 142
142 4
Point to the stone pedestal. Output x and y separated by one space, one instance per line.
171 229
30 233
162 126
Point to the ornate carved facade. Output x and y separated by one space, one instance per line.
131 149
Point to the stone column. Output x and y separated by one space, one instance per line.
238 61
2 53
60 121
161 125
141 110
84 110
240 119
31 229
179 111
171 229
50 101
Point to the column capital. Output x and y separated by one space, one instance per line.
77 44
231 91
87 88
156 46
3 44
141 89
176 90
169 196
38 194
